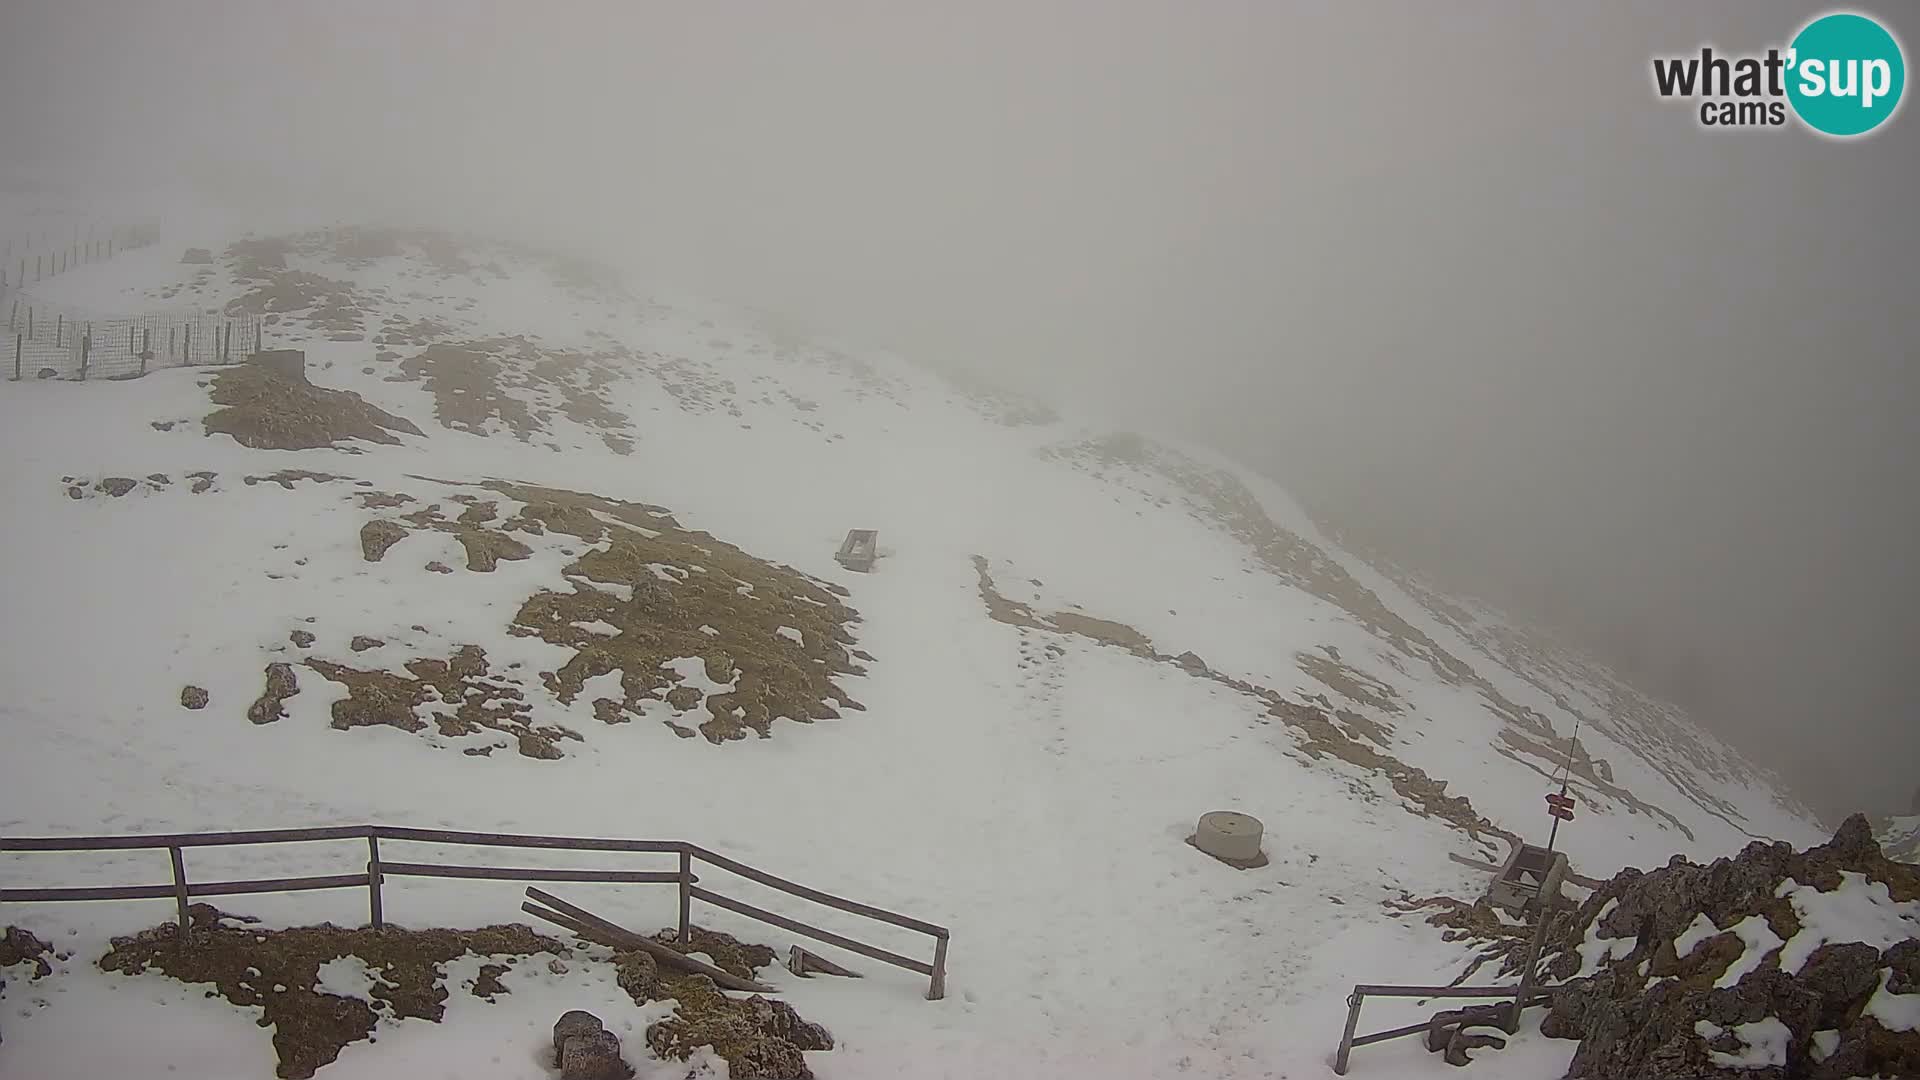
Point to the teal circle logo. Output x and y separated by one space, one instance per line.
1846 74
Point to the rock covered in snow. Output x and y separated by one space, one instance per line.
1768 965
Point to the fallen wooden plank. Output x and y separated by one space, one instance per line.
621 937
804 964
561 921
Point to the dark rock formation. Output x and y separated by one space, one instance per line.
1654 1014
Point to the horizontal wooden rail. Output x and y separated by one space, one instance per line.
286 884
569 843
523 873
107 892
181 840
816 895
1377 990
799 927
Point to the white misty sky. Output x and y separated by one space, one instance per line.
1452 273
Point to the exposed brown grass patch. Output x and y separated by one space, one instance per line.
266 411
19 946
331 306
275 971
680 582
470 384
759 1038
465 696
377 536
281 685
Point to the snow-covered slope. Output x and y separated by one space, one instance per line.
1900 837
1076 642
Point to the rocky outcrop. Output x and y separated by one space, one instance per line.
1771 965
583 1049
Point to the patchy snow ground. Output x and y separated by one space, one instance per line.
1859 910
1032 791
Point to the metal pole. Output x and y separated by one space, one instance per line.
180 892
1565 776
16 357
1549 892
373 881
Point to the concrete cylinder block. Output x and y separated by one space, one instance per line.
1227 834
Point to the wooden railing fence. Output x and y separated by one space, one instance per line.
182 890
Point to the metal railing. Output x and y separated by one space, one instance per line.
1349 1041
183 890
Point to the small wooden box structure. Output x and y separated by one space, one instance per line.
859 550
1527 870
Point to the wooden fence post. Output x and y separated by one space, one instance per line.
686 896
180 892
186 344
226 344
59 329
16 357
373 881
146 349
86 348
937 989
